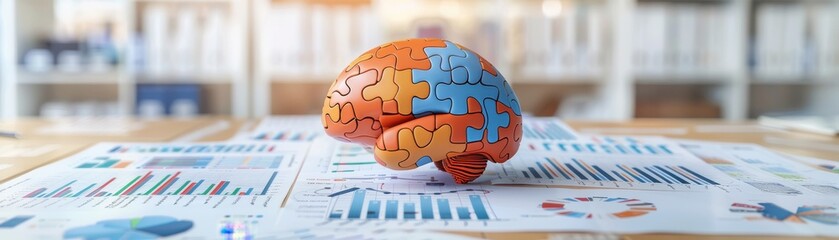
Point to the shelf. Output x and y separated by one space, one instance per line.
56 77
682 78
184 1
794 80
183 78
558 81
303 78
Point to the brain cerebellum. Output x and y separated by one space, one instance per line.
420 101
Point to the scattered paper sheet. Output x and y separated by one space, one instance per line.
413 201
763 169
338 188
820 164
239 188
246 176
539 128
149 223
285 128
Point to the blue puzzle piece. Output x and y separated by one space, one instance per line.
471 63
424 160
494 120
446 53
433 77
475 134
460 93
460 75
506 95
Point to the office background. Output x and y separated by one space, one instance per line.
581 59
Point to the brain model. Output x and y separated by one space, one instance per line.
420 101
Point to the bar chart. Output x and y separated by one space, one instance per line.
214 162
612 172
75 187
194 148
609 148
351 158
429 203
151 183
547 129
105 162
580 170
287 135
286 129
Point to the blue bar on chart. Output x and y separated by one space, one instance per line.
15 221
84 190
391 209
357 204
409 212
463 213
373 209
443 207
336 214
425 206
196 186
478 206
268 184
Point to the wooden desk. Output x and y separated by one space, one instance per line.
62 144
824 147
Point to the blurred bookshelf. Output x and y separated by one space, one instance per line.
578 59
95 58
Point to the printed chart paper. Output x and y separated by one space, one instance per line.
820 164
285 128
133 224
333 192
623 162
416 201
552 129
177 177
765 170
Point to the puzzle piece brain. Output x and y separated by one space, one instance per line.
420 101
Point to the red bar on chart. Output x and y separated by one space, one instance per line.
137 184
166 184
218 187
100 188
62 193
35 193
188 188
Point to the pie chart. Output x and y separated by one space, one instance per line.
598 207
147 227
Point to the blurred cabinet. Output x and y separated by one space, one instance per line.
87 57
